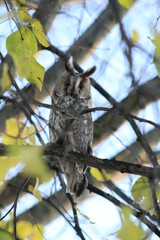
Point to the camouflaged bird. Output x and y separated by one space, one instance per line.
70 97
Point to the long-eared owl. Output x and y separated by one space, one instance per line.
68 126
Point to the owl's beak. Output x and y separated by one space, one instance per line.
74 94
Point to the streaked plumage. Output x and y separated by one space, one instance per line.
70 96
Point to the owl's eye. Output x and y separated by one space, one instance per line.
81 86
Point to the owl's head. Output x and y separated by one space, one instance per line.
72 83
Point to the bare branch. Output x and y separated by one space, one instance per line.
53 152
118 203
15 207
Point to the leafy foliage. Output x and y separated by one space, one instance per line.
5 235
18 133
22 46
25 230
101 176
35 192
39 32
156 58
34 164
22 12
5 81
129 230
126 3
141 193
135 36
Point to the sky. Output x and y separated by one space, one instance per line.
112 75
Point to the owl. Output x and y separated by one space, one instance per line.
68 126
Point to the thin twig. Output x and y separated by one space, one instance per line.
154 197
26 104
128 51
15 207
76 221
13 19
129 201
118 203
129 115
7 212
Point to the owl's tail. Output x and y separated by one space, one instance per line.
76 187
77 181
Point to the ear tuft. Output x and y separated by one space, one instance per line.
69 65
88 72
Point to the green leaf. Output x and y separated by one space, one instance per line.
39 32
22 45
101 176
34 164
34 72
129 230
23 15
141 192
156 57
5 81
126 3
5 235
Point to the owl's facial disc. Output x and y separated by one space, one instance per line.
82 88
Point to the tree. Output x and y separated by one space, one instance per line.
121 38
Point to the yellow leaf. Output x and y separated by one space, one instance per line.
18 133
32 134
39 32
24 229
126 3
38 232
28 134
35 191
135 36
12 131
100 176
5 81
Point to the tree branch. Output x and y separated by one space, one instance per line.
118 203
53 152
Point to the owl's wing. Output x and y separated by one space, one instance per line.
59 124
79 138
